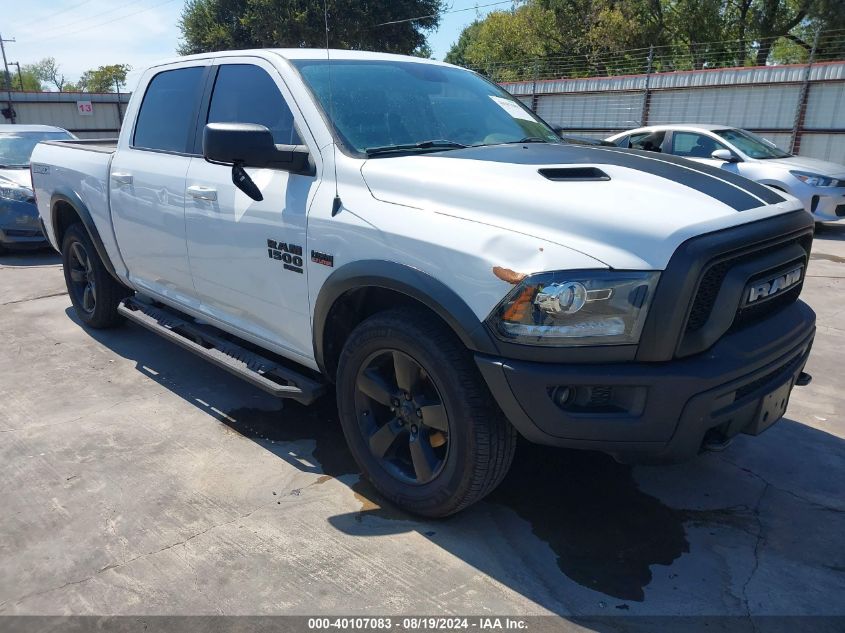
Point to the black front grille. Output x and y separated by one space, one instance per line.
714 275
840 211
708 288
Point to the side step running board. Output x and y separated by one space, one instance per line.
272 377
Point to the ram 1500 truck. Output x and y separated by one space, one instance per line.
407 234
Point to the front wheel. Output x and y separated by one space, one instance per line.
94 293
418 418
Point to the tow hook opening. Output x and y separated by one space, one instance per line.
715 441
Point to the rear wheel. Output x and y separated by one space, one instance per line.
95 294
418 418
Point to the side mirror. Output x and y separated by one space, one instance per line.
250 145
725 155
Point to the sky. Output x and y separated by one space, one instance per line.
85 34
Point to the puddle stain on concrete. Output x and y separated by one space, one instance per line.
605 532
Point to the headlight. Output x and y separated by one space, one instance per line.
570 308
814 180
16 193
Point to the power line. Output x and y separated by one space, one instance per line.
121 17
59 30
54 14
434 15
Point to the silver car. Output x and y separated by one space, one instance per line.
19 224
818 184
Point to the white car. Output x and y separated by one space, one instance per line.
409 236
818 184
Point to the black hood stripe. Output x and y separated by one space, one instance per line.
740 195
766 194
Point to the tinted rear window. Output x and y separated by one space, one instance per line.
167 114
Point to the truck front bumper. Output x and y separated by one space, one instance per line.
660 411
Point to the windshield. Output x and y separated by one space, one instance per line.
380 104
16 147
751 144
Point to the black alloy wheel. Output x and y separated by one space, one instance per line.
83 281
94 292
417 415
402 416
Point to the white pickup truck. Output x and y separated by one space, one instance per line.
408 232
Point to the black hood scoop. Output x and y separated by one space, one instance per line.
573 174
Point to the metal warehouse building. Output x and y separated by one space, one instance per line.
88 115
800 107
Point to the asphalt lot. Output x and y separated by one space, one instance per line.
138 479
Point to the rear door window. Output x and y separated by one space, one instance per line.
167 117
244 93
694 145
648 141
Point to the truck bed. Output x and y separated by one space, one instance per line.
77 170
104 145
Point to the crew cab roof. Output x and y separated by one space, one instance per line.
301 53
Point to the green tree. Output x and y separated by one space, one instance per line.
104 78
604 37
26 80
47 71
457 53
210 25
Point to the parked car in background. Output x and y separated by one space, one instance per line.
584 140
19 224
576 139
818 184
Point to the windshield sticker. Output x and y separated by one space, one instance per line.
512 108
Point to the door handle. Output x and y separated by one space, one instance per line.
121 178
202 193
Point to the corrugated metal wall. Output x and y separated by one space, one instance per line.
766 100
60 109
592 110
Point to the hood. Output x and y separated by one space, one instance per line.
19 176
628 209
813 165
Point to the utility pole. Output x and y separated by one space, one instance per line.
119 111
9 109
20 77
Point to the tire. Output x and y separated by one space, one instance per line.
95 294
444 447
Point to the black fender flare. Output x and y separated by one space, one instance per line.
70 197
408 281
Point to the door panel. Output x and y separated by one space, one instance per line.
247 257
241 278
147 184
149 220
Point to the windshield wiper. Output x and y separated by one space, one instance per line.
411 147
